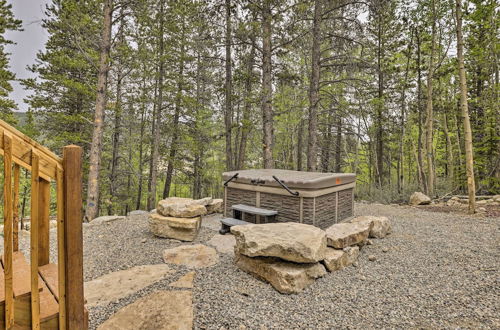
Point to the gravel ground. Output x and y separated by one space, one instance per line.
440 271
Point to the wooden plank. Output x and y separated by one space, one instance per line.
35 297
22 274
15 222
72 165
8 243
49 275
61 252
21 152
43 222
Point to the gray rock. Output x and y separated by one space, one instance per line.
418 198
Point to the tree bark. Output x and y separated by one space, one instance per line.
267 110
92 207
314 89
175 122
429 108
247 107
228 115
469 159
155 143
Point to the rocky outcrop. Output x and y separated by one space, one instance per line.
161 310
342 235
418 198
192 256
180 208
338 259
286 277
288 241
184 229
381 226
215 206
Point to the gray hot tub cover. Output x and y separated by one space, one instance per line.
293 179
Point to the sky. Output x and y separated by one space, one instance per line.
28 43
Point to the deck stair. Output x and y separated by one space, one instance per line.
49 308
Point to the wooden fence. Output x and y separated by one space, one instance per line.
53 298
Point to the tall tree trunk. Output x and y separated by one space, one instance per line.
469 159
247 107
429 108
300 136
175 122
420 172
338 144
141 148
92 207
228 115
155 143
449 149
327 142
380 104
267 91
314 89
117 125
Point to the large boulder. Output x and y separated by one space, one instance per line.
286 277
338 259
342 235
418 198
203 201
381 226
183 229
289 241
181 207
215 206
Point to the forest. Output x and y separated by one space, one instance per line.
165 95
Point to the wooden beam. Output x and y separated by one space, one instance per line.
21 152
34 248
73 236
15 222
43 222
61 249
8 246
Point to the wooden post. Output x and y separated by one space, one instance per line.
43 221
15 223
7 253
34 248
61 249
73 236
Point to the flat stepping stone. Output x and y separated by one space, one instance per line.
160 310
185 281
117 285
223 243
192 256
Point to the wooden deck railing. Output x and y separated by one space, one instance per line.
45 167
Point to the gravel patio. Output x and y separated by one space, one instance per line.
440 271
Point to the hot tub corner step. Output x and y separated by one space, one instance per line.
254 210
227 223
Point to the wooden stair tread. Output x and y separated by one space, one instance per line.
49 273
21 277
49 308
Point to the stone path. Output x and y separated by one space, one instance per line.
168 310
192 256
116 285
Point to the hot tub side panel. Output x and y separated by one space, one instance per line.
288 207
239 196
345 204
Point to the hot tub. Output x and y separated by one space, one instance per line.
319 199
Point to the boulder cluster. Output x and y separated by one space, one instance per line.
180 218
291 256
